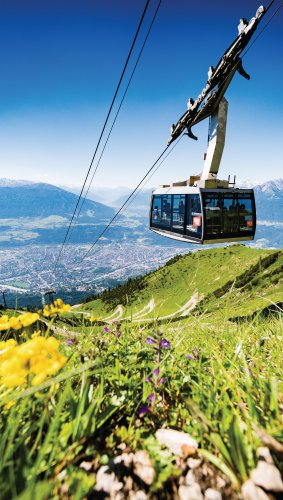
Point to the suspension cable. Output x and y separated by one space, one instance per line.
270 4
129 198
155 163
114 121
148 179
264 27
124 204
102 132
135 192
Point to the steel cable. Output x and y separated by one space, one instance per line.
129 199
102 132
115 119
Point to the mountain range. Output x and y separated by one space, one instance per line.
26 199
269 200
46 210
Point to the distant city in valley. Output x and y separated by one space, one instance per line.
31 237
27 272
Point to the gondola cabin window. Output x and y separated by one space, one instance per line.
166 207
161 211
228 214
246 222
194 216
178 214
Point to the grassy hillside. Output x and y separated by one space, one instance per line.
86 401
237 279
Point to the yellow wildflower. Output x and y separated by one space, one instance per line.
36 358
57 308
5 346
18 322
9 405
28 318
15 323
35 334
4 322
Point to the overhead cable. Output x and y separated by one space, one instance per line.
102 132
264 27
115 118
124 204
148 179
114 218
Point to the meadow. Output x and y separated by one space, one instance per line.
85 401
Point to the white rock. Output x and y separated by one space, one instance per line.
194 463
117 495
139 495
220 482
252 492
190 492
128 483
211 494
86 465
267 476
125 459
190 478
62 474
106 481
143 467
177 442
264 454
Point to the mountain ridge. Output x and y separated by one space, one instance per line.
43 200
33 203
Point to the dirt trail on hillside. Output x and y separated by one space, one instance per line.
117 314
183 311
143 312
83 313
148 308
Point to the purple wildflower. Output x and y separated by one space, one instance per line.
148 379
119 334
151 398
162 380
188 356
156 372
149 340
143 410
106 330
69 341
165 344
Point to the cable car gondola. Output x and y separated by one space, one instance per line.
205 209
198 215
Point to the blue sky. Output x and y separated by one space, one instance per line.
61 60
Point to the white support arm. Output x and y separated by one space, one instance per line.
216 141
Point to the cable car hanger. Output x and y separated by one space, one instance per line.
204 209
154 226
219 78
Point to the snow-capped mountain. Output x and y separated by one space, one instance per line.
14 183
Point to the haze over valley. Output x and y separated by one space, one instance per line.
33 224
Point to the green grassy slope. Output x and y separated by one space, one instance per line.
237 279
220 381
